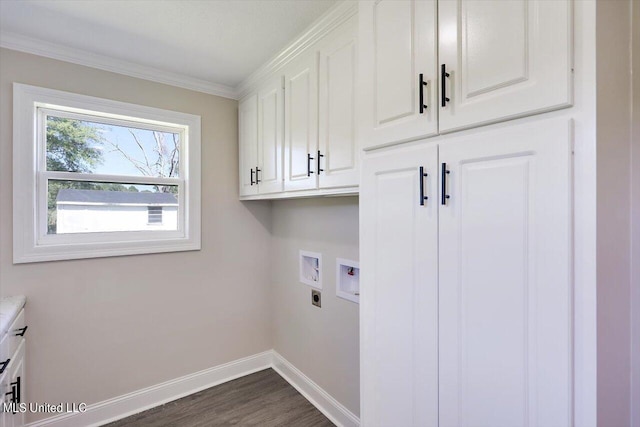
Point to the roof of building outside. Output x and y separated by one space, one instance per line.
115 197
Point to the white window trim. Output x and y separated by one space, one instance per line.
31 245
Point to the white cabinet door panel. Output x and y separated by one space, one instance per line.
14 380
505 280
301 123
398 304
505 58
337 114
397 44
248 144
270 137
18 375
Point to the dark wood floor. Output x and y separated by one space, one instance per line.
260 399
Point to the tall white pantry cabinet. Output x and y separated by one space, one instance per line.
476 217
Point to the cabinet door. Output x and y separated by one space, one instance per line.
397 45
248 144
505 58
5 419
505 278
301 123
16 377
270 129
337 114
398 304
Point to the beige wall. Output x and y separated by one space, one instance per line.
104 327
635 217
321 342
613 31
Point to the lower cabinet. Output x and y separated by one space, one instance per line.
5 417
465 250
14 390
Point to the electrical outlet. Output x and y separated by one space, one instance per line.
316 298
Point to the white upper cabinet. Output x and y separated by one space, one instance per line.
260 136
491 61
248 148
398 70
338 156
502 59
270 137
301 123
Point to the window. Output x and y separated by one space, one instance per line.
154 215
95 177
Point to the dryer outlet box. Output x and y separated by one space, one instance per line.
316 298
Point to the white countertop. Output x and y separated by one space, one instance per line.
9 309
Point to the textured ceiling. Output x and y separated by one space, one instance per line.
219 41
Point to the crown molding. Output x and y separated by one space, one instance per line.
320 28
48 49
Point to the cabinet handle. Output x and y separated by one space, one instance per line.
422 84
445 172
309 158
15 392
4 365
443 83
18 391
13 395
12 392
252 176
421 178
20 332
257 170
318 168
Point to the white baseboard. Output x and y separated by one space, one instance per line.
322 400
132 403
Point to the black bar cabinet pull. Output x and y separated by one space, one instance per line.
421 178
445 196
18 392
3 365
15 393
257 170
443 84
309 158
422 84
318 168
20 332
252 172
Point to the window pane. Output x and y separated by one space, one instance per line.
155 214
90 147
92 207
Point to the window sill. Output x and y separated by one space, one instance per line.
99 250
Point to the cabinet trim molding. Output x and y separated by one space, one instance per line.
331 20
345 191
